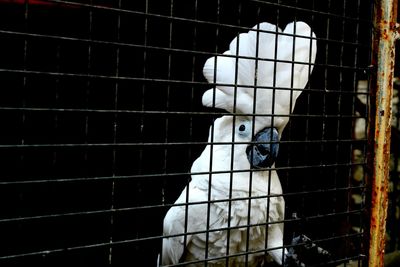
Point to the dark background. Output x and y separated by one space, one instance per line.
100 106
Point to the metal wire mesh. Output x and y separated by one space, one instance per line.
102 120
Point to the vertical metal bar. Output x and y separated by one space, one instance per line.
384 35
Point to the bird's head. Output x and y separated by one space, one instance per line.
259 144
263 72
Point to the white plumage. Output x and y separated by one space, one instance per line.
174 222
257 60
232 177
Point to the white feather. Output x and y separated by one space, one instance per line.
259 68
222 160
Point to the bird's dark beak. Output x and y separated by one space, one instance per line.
264 151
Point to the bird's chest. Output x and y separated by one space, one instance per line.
246 236
244 218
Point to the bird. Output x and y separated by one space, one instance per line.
227 190
232 211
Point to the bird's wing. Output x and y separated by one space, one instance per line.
275 230
181 221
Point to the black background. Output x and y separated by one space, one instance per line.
59 97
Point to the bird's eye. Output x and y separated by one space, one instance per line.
244 129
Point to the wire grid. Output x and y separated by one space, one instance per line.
102 119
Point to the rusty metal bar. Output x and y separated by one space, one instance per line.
383 59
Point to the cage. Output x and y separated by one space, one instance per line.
101 105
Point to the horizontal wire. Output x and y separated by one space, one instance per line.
183 113
163 144
67 249
163 206
164 175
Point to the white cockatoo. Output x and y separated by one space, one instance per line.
233 205
230 179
